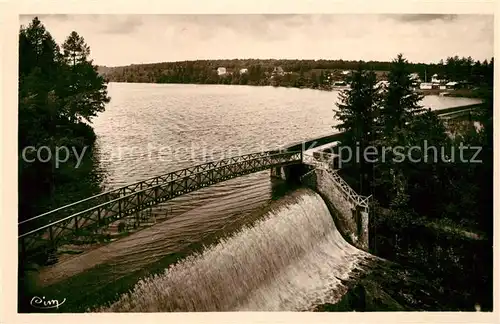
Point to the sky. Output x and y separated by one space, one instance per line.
117 40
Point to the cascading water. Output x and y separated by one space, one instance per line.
291 260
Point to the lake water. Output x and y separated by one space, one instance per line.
151 129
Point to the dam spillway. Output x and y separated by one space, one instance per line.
292 259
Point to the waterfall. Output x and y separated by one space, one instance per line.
290 260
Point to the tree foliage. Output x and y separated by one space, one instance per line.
401 103
315 74
358 109
436 186
428 203
60 91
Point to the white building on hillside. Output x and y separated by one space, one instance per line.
221 71
435 79
278 71
425 86
414 77
382 84
243 71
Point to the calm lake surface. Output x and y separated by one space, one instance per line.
151 129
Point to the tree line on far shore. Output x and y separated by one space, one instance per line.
316 74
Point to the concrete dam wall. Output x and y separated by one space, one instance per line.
348 210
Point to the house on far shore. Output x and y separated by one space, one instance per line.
278 71
452 85
243 71
340 84
382 84
435 79
425 86
221 71
415 79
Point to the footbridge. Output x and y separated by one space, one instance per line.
60 226
461 112
49 231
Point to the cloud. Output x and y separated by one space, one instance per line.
423 17
126 39
120 24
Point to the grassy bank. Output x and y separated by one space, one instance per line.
458 93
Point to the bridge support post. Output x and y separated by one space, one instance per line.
99 216
360 215
23 248
277 173
290 173
363 230
139 208
51 251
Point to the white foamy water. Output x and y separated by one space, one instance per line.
290 260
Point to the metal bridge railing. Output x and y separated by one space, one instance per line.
131 199
350 194
67 210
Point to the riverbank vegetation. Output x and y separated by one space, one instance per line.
60 91
435 214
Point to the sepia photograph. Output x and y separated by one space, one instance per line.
255 162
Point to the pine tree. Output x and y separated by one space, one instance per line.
358 108
401 103
75 50
406 123
83 89
399 108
